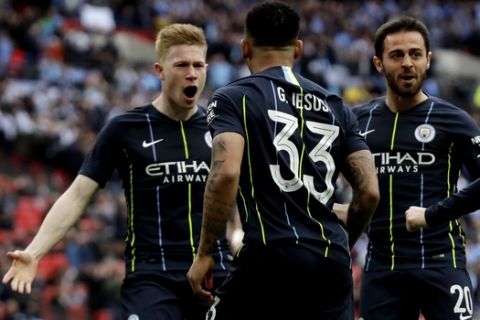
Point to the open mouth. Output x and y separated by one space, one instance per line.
190 91
407 77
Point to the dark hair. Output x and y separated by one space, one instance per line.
398 25
272 24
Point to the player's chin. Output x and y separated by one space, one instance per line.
190 101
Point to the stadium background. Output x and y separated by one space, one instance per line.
67 66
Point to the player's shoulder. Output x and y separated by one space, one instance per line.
442 104
134 114
446 108
249 86
236 86
369 106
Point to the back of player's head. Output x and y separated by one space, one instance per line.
402 24
178 34
272 24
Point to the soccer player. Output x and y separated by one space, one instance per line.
279 142
419 144
460 203
162 153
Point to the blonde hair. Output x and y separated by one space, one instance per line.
178 34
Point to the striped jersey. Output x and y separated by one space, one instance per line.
163 165
297 136
418 157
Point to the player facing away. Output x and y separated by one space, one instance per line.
162 153
460 203
279 142
419 144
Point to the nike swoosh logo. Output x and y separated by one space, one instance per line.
462 317
364 134
146 144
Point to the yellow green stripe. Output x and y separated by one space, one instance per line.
244 203
244 106
459 227
449 168
184 138
394 133
392 243
390 196
302 154
131 212
302 122
189 193
292 77
449 186
190 224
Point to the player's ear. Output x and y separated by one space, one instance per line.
246 49
158 70
298 49
377 62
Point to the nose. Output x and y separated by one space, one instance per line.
192 73
407 61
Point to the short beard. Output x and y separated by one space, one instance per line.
406 93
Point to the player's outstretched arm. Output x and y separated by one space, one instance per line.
61 217
360 172
453 207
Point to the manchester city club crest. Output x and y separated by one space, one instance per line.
425 133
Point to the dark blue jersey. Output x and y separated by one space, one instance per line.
418 156
297 136
164 166
458 204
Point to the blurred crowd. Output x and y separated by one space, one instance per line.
61 80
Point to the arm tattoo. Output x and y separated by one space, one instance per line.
361 168
214 222
363 178
217 206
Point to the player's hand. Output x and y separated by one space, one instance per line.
21 272
341 210
200 271
415 218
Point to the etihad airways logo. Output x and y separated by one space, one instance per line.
179 171
402 162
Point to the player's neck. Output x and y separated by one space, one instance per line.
398 103
263 60
178 113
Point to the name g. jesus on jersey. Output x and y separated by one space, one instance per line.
179 171
308 101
